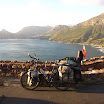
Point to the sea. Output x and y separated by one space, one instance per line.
18 49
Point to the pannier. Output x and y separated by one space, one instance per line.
31 76
77 74
65 73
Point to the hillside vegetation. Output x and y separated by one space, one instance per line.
88 32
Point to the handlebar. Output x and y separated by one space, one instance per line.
33 57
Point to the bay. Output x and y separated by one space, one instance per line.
18 49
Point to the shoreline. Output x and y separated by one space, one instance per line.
100 48
95 46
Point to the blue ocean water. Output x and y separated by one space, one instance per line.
18 49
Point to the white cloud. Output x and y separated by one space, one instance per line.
83 2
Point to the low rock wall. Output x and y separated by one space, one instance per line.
14 68
93 64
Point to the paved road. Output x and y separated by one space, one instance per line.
85 94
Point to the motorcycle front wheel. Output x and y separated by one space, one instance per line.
29 85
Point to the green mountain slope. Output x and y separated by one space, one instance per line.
56 29
88 32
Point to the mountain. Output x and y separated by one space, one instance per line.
33 31
26 32
88 32
56 29
4 34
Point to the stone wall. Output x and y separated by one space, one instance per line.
96 63
92 70
14 68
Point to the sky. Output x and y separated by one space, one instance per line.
16 14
